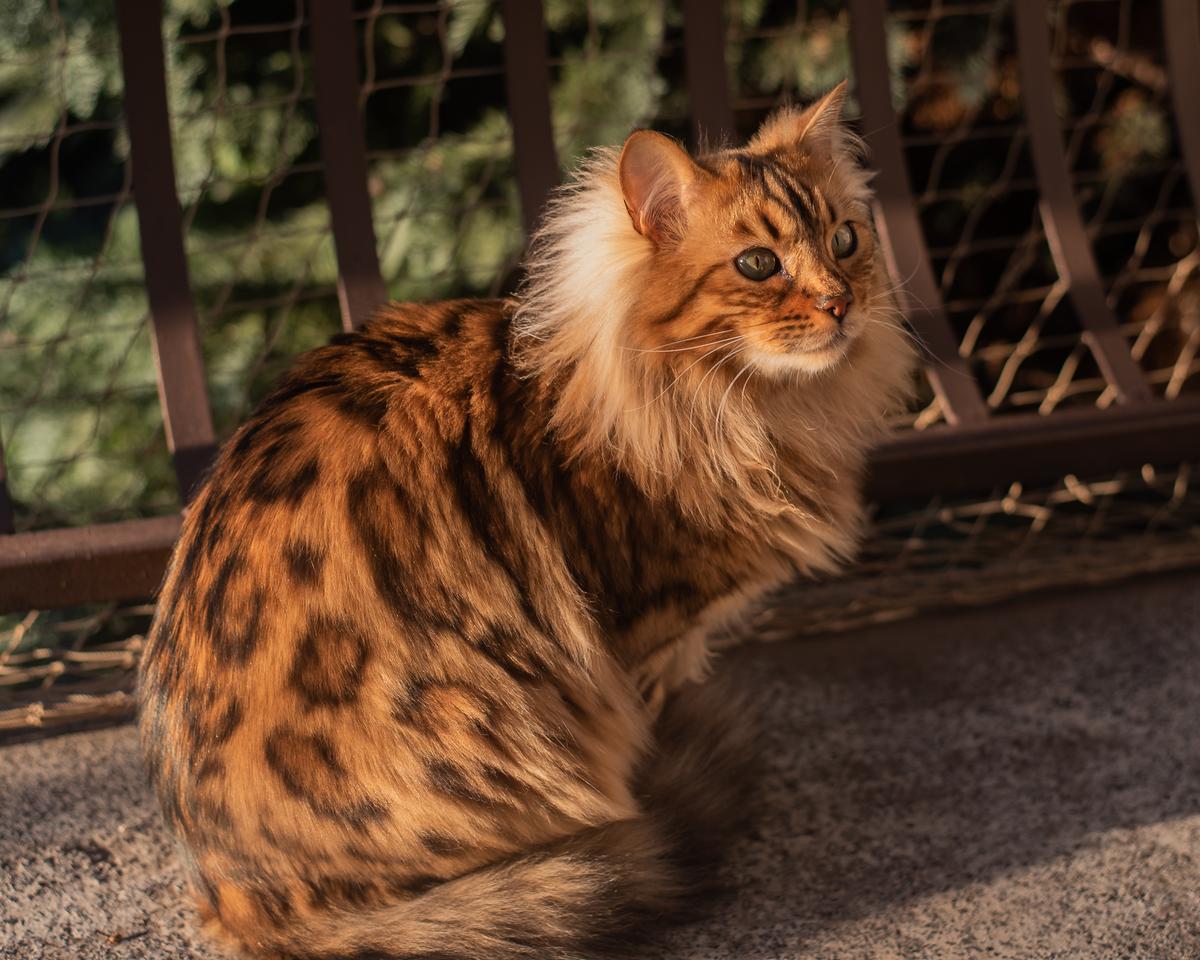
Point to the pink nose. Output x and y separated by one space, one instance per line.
837 306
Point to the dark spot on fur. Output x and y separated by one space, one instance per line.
441 845
330 659
508 652
410 885
309 769
208 813
214 604
275 905
503 780
304 561
227 723
451 780
366 405
234 639
278 478
573 705
262 428
341 891
320 382
370 496
211 768
452 323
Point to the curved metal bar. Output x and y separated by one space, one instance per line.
6 507
1181 36
182 388
344 154
707 72
107 561
1069 243
527 77
125 561
1032 448
897 220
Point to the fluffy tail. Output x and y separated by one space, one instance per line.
599 894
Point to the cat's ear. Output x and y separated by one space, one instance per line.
657 177
817 128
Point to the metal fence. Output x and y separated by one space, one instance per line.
1038 168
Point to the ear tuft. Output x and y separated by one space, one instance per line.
656 174
817 128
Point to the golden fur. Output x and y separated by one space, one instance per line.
415 687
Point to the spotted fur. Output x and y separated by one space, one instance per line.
418 684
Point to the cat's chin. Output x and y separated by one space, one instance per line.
802 362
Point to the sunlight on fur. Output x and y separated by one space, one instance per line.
669 357
421 677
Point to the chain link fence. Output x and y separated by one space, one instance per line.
79 418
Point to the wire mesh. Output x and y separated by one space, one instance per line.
78 410
77 385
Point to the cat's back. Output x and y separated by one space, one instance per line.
302 481
338 572
379 407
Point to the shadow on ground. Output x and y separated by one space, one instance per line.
1019 781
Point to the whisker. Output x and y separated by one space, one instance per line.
700 386
725 396
665 389
701 336
694 346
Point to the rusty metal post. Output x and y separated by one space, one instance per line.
1181 37
1069 243
899 226
707 71
527 78
344 156
182 388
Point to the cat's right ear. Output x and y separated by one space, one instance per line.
657 176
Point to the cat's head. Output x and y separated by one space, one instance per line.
766 252
693 310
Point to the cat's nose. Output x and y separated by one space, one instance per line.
837 306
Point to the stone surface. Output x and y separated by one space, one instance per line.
1020 781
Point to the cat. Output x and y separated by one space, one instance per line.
422 677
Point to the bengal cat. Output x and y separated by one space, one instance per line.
415 683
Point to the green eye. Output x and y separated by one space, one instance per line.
757 263
845 241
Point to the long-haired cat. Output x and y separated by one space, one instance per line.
414 684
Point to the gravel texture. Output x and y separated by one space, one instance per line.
1020 781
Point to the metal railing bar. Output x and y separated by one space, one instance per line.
126 560
1181 36
6 506
527 79
183 393
707 73
898 223
111 561
1033 448
344 153
1065 233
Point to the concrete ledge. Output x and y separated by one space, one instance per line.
1008 782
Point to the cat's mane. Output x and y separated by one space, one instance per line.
586 270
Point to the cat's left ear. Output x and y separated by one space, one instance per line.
657 180
817 128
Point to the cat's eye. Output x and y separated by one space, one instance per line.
844 242
757 263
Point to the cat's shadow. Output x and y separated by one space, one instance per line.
938 755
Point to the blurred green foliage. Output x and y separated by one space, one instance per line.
79 416
78 409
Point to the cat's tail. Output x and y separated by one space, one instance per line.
599 894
